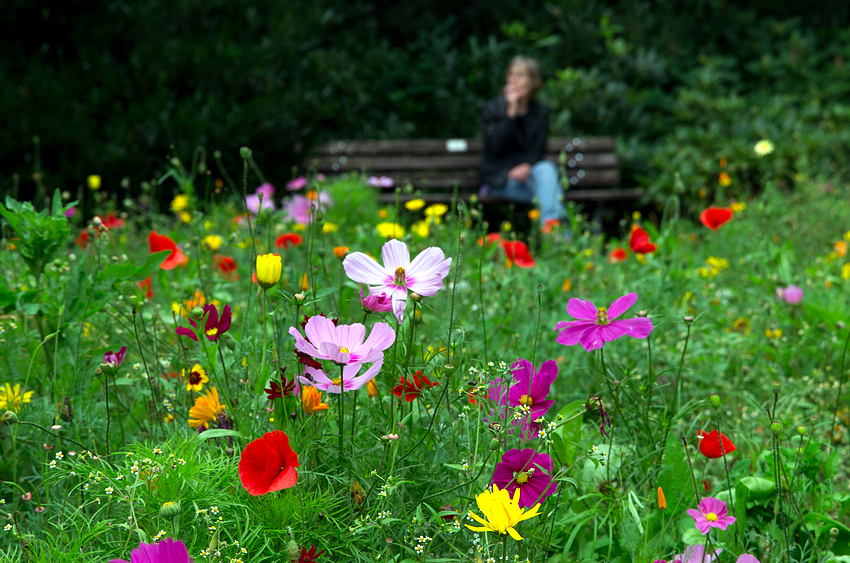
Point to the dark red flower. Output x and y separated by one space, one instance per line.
639 241
145 286
617 255
111 221
413 388
710 444
285 388
214 327
225 264
308 556
268 464
288 239
517 253
159 242
715 217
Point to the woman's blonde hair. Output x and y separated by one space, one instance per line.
532 67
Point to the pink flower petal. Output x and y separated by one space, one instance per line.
591 338
399 303
381 337
363 269
320 329
571 332
581 309
621 305
395 255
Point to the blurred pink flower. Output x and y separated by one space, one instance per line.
253 201
296 184
381 181
40 509
376 303
792 294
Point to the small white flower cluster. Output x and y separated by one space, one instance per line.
384 514
160 535
167 404
522 411
383 492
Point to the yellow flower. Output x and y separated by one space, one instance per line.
436 212
773 333
304 284
713 267
742 325
847 236
207 408
534 214
723 162
311 400
371 388
213 242
196 378
390 230
738 206
268 270
763 147
208 225
11 398
420 229
415 204
329 227
641 258
185 216
180 203
724 179
93 181
168 418
506 226
635 215
840 248
702 193
845 271
662 501
198 300
298 227
501 511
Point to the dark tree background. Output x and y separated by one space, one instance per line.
109 85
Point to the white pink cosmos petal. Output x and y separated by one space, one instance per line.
423 275
595 327
343 344
349 379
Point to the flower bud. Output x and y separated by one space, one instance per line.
97 221
217 154
494 444
322 252
134 300
714 399
449 369
839 325
776 428
833 532
293 415
299 298
688 319
292 550
642 314
268 270
245 152
98 371
801 430
10 418
415 297
745 370
198 312
777 387
169 509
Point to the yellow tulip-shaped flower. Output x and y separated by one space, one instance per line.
311 400
268 270
501 511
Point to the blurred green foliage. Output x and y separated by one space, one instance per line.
111 85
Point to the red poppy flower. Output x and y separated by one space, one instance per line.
288 239
159 242
517 253
639 241
617 255
492 238
225 264
550 225
111 221
308 556
715 217
412 389
710 444
145 286
268 464
83 240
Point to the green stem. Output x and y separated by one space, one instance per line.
150 383
341 412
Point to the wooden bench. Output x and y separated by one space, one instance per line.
439 168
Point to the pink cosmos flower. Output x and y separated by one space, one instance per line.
297 208
381 181
253 201
711 514
530 390
747 558
792 294
595 327
376 303
696 554
424 275
296 184
343 344
168 550
528 471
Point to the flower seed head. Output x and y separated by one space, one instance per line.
776 428
714 399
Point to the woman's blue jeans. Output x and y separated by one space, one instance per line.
541 187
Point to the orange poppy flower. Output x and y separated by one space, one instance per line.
159 242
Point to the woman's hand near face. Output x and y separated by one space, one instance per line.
520 172
513 95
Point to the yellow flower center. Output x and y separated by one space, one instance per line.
526 400
602 316
521 478
337 381
399 277
711 517
344 350
212 332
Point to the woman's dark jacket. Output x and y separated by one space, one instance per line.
510 141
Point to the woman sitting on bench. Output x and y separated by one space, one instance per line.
515 127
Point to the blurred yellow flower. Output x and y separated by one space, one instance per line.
213 242
11 398
713 266
534 214
506 226
742 325
208 225
635 215
329 227
702 193
724 179
180 203
390 230
420 228
840 248
845 272
436 211
415 204
641 258
763 147
93 181
185 216
738 206
299 227
772 334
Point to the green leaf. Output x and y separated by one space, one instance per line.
566 439
218 433
675 478
758 487
151 265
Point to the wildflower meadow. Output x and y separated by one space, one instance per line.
294 372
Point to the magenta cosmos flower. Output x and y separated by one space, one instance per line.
424 275
696 554
530 390
166 551
595 327
528 471
711 514
214 327
792 294
343 344
376 303
111 362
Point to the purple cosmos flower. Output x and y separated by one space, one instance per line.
343 344
381 181
70 212
111 362
214 327
350 380
376 303
595 327
792 294
696 554
528 471
424 275
711 514
166 551
296 184
746 558
253 201
297 208
530 390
